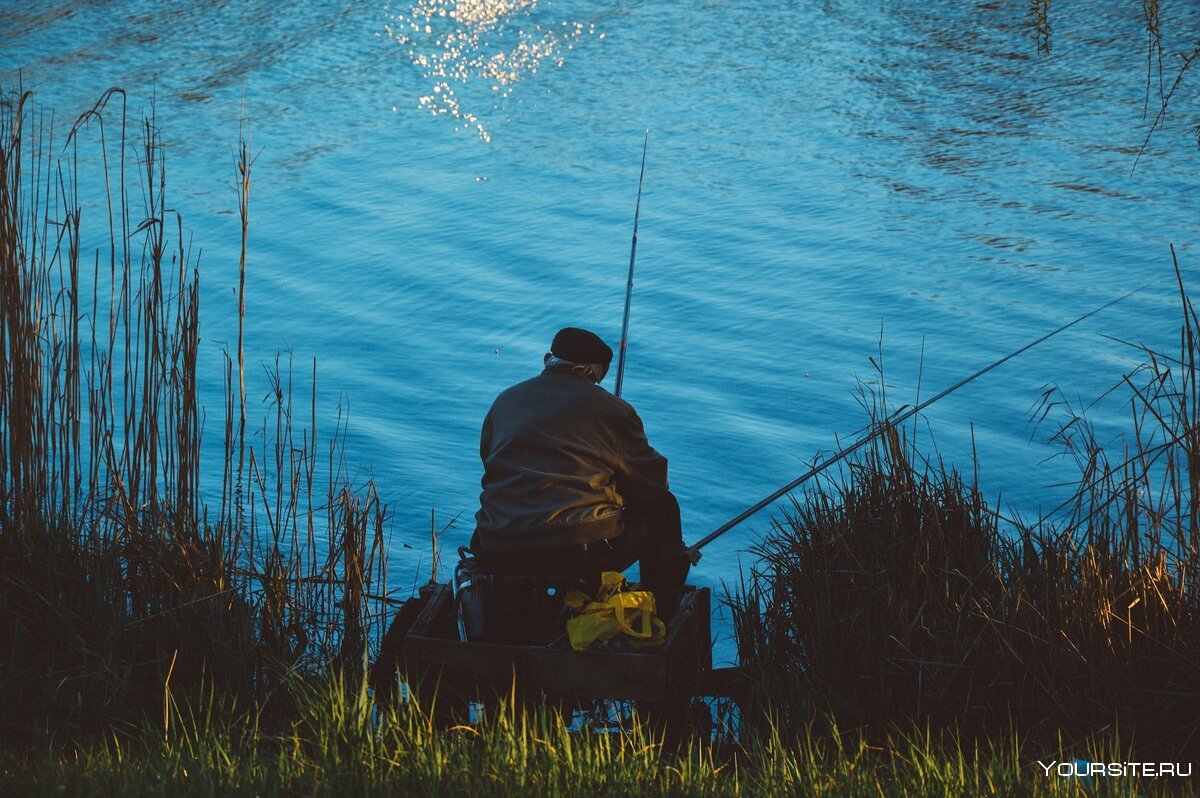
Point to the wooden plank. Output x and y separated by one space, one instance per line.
689 648
675 670
563 672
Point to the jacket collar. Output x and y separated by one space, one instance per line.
590 371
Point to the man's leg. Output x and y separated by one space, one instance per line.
656 532
652 534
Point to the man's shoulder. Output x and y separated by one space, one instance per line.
577 389
521 387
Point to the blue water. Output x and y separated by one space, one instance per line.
429 206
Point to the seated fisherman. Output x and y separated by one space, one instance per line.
570 484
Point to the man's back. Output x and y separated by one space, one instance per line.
561 457
571 487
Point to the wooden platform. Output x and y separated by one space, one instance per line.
432 653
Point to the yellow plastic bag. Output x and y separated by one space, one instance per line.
615 611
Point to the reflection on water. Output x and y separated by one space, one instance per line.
817 171
1039 24
465 43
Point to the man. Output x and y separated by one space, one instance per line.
570 485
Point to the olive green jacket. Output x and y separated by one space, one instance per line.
561 457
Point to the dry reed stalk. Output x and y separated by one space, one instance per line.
113 572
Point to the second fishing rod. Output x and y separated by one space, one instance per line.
892 423
883 427
637 211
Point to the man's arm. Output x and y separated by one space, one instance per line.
641 472
485 438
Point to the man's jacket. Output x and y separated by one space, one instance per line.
561 456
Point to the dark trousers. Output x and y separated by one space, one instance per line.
651 534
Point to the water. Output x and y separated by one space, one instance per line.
429 206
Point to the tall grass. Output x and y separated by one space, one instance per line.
893 595
115 578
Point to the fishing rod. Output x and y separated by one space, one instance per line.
694 550
629 284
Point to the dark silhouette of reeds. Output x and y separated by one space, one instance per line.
118 590
893 594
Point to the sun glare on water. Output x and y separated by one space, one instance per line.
479 48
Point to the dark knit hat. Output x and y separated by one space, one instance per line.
580 346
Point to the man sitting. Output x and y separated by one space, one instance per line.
570 485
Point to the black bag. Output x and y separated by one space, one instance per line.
518 610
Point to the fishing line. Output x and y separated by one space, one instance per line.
883 427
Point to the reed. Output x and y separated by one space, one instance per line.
893 595
115 579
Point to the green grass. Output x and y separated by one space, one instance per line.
336 744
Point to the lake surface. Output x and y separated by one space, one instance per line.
440 186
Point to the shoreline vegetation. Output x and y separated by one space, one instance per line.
898 636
